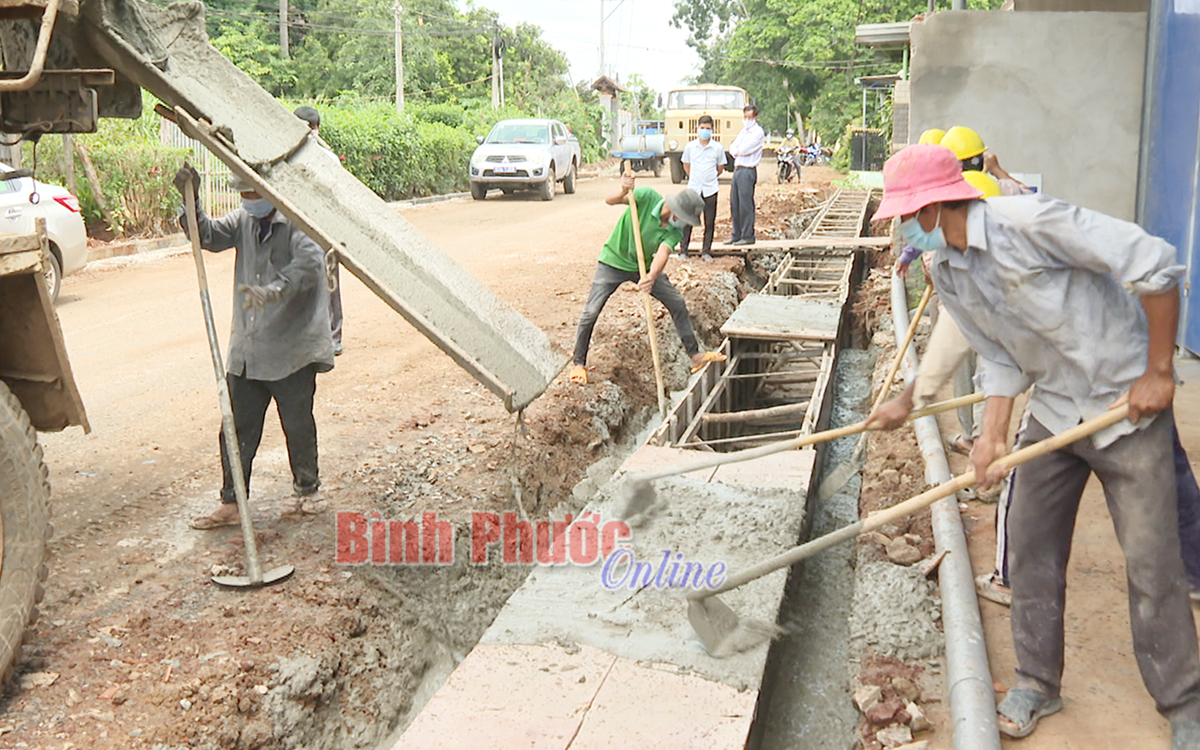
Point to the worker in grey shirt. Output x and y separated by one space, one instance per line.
704 161
747 151
280 337
1039 289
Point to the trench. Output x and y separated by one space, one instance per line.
806 696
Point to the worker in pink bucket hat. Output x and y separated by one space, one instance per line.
1084 307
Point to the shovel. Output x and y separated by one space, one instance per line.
640 493
255 577
837 478
641 259
717 625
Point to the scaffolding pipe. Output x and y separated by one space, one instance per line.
972 699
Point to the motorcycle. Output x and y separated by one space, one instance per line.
787 167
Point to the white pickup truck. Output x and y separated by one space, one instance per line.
525 154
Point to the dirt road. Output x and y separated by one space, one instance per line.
134 647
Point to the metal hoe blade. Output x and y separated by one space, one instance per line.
714 622
274 575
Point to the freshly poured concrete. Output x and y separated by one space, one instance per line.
661 689
166 51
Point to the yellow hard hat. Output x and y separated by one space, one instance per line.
933 136
964 142
982 182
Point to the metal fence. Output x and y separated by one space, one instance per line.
215 194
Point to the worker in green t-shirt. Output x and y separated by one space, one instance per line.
661 226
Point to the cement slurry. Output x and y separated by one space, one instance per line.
481 332
807 701
705 523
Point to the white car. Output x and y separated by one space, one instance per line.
525 154
22 200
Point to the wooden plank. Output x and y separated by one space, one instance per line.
814 243
756 415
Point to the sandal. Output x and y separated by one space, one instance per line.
989 588
1024 707
706 358
213 521
579 375
960 444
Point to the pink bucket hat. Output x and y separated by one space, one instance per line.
919 175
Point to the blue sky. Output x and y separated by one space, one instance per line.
639 37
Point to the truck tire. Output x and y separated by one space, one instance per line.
569 180
677 173
547 188
24 526
656 165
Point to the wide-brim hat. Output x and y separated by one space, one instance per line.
921 175
686 205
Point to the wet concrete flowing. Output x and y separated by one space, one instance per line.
808 703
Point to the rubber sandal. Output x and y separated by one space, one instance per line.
210 521
579 375
708 357
987 587
959 444
1024 708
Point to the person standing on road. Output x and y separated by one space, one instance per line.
311 116
661 226
747 151
280 338
1027 278
703 161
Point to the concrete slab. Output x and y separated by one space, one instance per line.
791 470
488 695
778 318
697 715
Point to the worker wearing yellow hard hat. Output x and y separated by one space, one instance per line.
932 136
983 182
966 145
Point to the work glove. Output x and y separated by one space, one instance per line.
181 179
258 297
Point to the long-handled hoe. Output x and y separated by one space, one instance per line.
718 625
255 577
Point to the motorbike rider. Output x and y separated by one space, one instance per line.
789 153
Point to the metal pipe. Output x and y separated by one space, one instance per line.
38 64
972 700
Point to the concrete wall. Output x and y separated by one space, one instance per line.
1058 94
1108 6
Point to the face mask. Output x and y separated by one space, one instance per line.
705 134
928 242
746 121
676 222
259 208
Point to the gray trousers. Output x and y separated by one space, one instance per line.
1138 476
741 203
605 282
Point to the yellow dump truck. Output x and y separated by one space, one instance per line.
686 105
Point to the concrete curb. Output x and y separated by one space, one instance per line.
412 202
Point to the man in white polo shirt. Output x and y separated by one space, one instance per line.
703 160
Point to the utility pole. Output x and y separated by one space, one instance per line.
497 72
399 64
283 28
603 71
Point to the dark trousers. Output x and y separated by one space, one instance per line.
741 203
1138 476
335 306
605 282
293 398
710 224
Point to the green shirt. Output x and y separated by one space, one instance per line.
620 252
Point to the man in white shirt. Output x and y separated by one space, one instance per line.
703 160
747 151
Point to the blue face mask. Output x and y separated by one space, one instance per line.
926 242
678 223
259 208
704 134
